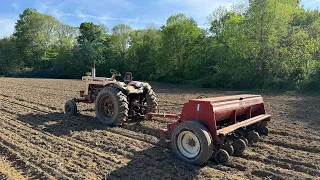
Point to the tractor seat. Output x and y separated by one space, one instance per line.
128 77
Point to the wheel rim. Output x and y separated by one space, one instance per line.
67 109
222 157
253 137
188 144
108 107
228 147
239 145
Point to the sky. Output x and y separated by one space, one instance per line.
136 13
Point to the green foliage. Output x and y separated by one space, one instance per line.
89 32
261 44
177 37
8 56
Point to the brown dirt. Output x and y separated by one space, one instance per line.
38 141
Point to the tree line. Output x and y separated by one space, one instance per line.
262 44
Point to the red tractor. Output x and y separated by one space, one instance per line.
115 101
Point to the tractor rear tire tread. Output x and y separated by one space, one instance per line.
152 101
122 106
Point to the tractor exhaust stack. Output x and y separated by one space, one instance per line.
93 71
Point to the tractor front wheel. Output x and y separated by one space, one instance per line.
70 108
111 106
192 142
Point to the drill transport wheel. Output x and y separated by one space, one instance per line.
192 142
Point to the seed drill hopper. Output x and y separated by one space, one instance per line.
215 127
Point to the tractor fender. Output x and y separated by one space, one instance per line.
117 85
132 90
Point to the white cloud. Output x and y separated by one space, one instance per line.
43 6
15 6
7 27
105 18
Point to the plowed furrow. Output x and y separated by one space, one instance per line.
33 154
292 146
297 163
141 129
147 155
293 128
53 149
272 168
294 135
290 157
76 157
37 119
137 136
267 174
284 165
8 171
48 138
47 85
19 161
27 104
297 155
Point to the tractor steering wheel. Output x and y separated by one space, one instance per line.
115 72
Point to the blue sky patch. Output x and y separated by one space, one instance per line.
136 13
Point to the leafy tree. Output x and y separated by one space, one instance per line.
89 32
143 52
263 43
178 35
121 43
8 57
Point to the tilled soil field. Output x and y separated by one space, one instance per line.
37 141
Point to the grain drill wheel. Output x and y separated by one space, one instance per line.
192 142
228 147
264 131
151 100
111 106
70 108
253 137
245 140
239 146
221 156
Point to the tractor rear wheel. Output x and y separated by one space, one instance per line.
111 106
192 142
70 108
151 100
